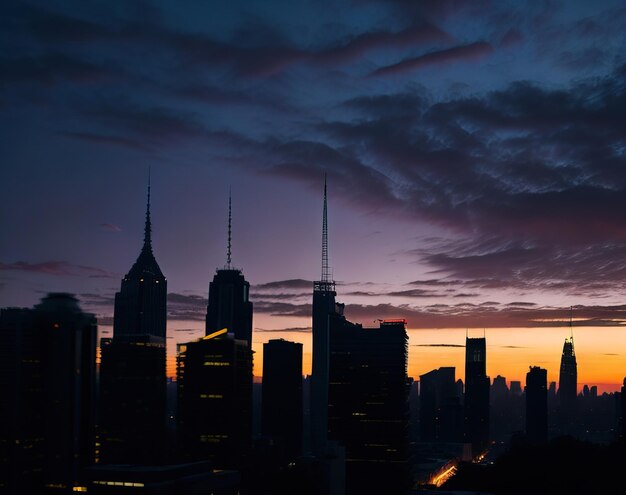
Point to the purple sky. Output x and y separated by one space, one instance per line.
475 153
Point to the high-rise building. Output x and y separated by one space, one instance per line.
441 413
214 377
215 373
323 309
229 305
47 378
282 395
368 405
537 404
132 370
476 394
568 385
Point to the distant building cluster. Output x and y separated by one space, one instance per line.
357 425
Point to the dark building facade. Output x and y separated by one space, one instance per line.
214 377
229 305
476 394
132 371
441 412
282 395
537 404
568 387
47 378
368 409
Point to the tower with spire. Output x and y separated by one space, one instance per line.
132 370
568 380
140 305
229 303
323 307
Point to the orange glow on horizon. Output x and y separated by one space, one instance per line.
600 351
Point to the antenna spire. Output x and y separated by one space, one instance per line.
325 268
147 236
571 322
230 218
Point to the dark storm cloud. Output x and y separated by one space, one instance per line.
186 307
296 283
473 51
57 268
283 309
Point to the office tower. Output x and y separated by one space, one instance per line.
476 395
323 309
622 416
47 378
368 406
537 404
441 413
282 395
229 305
214 377
567 392
132 370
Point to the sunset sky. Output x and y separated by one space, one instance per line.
475 153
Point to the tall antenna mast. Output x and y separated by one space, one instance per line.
325 268
230 218
571 323
147 237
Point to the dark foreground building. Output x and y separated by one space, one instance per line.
537 404
178 479
47 414
440 412
281 407
132 371
476 394
368 410
214 377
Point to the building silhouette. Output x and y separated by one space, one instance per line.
537 404
282 395
368 405
476 395
47 378
132 370
441 412
214 376
568 385
229 292
323 309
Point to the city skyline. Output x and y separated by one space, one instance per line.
454 202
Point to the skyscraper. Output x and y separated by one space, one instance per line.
368 404
441 416
568 386
214 376
323 308
476 394
537 404
132 370
282 395
47 378
229 305
215 373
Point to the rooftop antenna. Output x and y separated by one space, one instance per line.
325 268
571 322
230 218
147 237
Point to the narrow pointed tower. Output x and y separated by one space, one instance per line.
133 365
323 305
141 303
